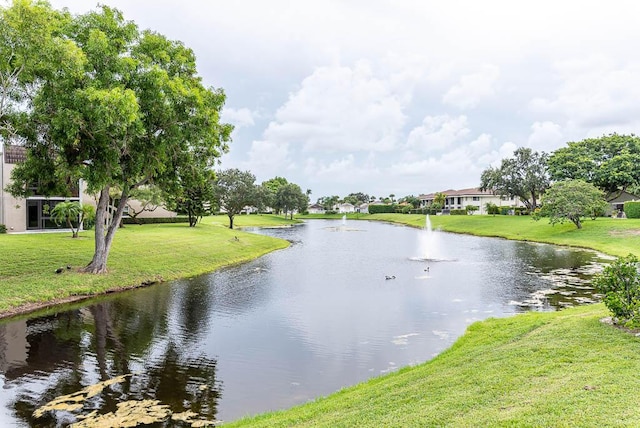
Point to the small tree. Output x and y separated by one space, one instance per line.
571 200
72 212
492 208
620 284
234 190
472 208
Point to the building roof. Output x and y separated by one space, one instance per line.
14 154
474 191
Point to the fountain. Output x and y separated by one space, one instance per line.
344 220
428 247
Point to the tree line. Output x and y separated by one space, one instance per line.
571 182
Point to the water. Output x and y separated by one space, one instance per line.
286 328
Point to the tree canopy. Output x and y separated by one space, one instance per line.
523 176
234 190
611 162
290 198
572 200
115 107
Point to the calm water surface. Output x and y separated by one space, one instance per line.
289 327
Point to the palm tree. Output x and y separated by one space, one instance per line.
71 212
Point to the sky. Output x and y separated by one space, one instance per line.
403 97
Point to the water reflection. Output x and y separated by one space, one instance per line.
284 329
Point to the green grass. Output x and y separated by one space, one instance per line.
538 369
617 237
139 254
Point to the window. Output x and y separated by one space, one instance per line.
476 198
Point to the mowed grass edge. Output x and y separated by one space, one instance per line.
139 255
555 369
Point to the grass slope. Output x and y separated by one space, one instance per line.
537 369
617 237
139 254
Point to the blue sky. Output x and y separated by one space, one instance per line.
404 97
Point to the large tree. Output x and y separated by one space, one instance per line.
234 190
290 198
572 200
121 109
523 176
611 162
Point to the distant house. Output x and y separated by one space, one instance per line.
344 208
616 201
459 199
32 213
363 208
316 209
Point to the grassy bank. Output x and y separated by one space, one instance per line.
538 369
139 254
617 237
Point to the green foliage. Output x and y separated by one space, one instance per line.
118 108
458 212
523 176
505 210
380 209
492 208
3 228
234 190
290 198
73 214
611 162
571 200
471 208
632 209
620 284
155 220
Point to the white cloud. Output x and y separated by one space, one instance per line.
438 133
340 109
240 118
472 88
595 93
545 136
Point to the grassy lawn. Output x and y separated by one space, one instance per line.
617 237
538 369
139 254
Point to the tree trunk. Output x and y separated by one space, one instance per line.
230 221
103 240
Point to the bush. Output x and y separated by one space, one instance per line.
521 211
3 228
380 209
620 284
154 220
504 210
492 208
458 212
632 209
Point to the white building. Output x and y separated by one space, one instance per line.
459 199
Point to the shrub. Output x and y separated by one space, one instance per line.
632 209
379 209
521 211
458 212
504 210
3 228
492 208
620 284
154 220
472 208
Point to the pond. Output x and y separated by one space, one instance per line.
345 302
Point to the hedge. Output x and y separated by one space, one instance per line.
3 228
632 209
458 212
154 220
380 209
